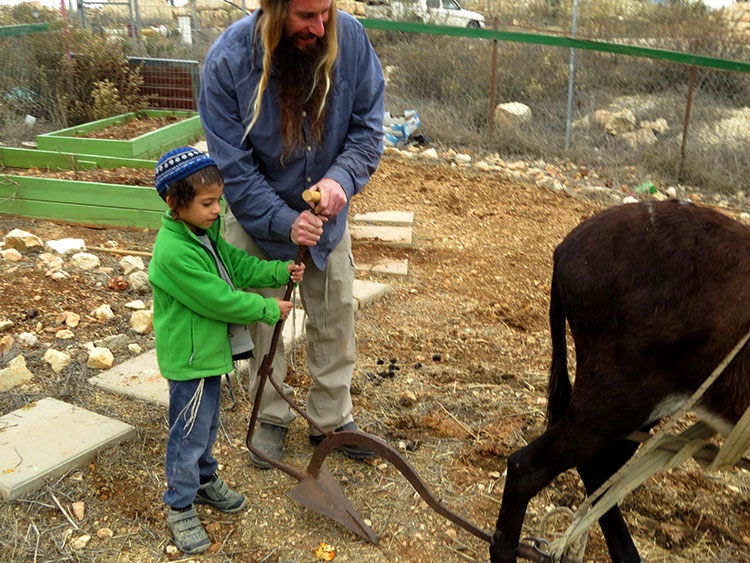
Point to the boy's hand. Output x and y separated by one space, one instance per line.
296 271
284 308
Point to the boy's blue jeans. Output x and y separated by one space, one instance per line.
189 459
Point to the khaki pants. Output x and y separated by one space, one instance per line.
328 299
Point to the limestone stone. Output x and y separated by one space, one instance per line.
130 263
15 374
6 343
67 245
138 281
512 114
85 261
103 313
22 240
100 358
57 360
12 255
142 321
50 261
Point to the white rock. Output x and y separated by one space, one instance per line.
621 122
130 263
22 240
134 348
57 360
103 313
15 374
111 244
6 343
71 319
460 157
80 542
50 261
136 305
672 191
512 114
142 321
483 166
67 245
429 153
659 126
104 533
28 340
79 510
65 334
6 325
85 261
57 275
12 255
138 281
629 199
100 358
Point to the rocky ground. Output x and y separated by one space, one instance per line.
467 329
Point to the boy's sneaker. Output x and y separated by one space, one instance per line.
188 532
216 493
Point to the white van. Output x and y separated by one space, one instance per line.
440 12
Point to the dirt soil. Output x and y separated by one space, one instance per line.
132 128
467 333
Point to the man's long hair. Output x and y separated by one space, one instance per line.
271 31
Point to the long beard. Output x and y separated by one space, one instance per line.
296 71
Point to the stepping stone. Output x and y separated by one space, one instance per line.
140 377
399 237
47 438
385 266
367 291
392 218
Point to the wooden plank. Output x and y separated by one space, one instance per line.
73 213
29 188
55 160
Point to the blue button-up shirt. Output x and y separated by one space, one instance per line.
264 193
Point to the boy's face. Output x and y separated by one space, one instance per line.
204 209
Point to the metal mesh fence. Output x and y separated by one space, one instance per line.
630 117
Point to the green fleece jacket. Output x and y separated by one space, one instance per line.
193 305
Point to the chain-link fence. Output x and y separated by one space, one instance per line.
629 115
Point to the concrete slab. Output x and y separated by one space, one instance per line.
140 377
392 218
47 438
385 266
389 236
367 291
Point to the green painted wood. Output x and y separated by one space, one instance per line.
52 160
88 214
561 41
104 147
23 29
93 194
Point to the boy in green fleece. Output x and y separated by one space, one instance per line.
200 324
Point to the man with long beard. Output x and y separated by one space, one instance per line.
292 99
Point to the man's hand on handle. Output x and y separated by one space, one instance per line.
307 228
332 198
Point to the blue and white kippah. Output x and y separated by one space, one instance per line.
177 165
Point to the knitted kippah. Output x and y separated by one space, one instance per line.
177 165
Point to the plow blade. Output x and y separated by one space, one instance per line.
324 495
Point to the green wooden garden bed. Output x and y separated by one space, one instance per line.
77 201
149 145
